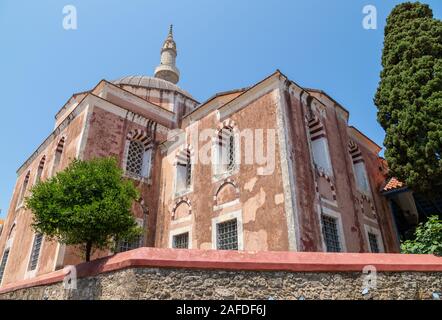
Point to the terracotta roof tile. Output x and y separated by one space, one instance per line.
393 184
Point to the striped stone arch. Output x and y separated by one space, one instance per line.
12 230
180 201
225 182
184 152
368 199
42 162
315 127
228 123
140 135
60 144
329 180
355 153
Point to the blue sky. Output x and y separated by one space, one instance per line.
222 45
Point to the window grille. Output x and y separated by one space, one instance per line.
184 173
373 240
124 245
227 235
35 253
226 150
181 241
135 154
331 235
3 264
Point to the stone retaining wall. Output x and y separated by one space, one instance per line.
169 274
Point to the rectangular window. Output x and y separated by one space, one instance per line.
321 155
182 179
181 241
361 177
227 235
124 245
3 264
373 241
330 233
35 253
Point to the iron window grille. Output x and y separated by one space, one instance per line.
35 253
184 174
181 241
135 154
226 150
3 264
227 235
373 240
125 245
331 235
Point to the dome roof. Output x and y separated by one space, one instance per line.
150 82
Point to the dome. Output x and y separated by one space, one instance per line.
150 82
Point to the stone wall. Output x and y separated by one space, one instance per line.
155 274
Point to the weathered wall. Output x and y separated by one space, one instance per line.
22 238
259 198
155 274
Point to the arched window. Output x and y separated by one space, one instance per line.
319 145
40 169
23 190
138 159
12 231
35 252
183 171
58 154
225 146
3 263
125 245
359 169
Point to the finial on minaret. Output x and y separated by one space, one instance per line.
167 69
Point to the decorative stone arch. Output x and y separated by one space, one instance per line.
42 162
220 139
369 201
12 231
183 152
179 202
330 182
60 144
355 153
23 188
315 127
140 135
40 168
223 185
228 123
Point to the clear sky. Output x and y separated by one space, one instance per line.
222 45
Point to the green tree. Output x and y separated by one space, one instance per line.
87 204
428 238
409 96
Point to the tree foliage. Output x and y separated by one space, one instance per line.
428 238
87 204
409 96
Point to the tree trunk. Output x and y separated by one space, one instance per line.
88 251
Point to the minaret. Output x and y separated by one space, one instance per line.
167 69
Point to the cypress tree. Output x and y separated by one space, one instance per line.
409 96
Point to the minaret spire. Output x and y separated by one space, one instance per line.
167 69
